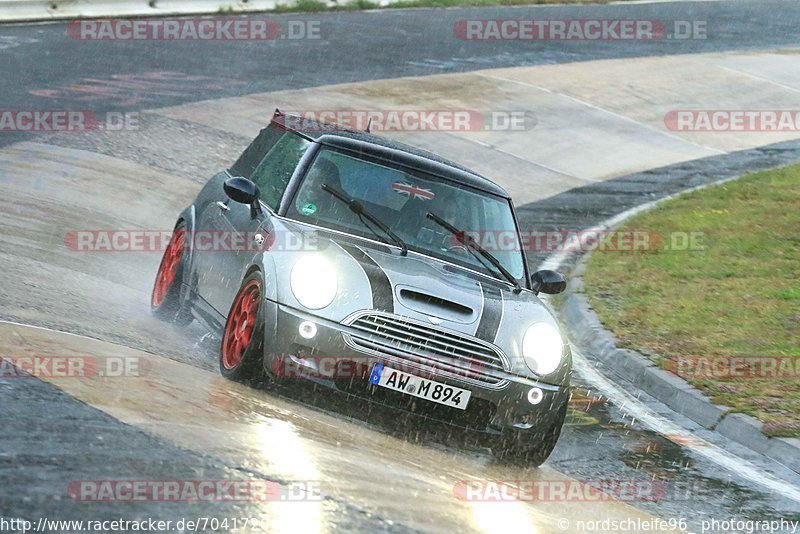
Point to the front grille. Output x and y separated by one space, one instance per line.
428 348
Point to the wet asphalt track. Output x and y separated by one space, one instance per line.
51 438
42 66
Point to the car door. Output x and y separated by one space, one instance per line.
234 238
236 229
206 265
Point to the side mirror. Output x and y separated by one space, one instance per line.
550 282
241 190
244 191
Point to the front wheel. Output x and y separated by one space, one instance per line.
531 449
241 352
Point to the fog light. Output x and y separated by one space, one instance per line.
535 395
308 330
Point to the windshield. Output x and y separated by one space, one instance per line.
401 199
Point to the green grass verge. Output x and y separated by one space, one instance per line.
740 296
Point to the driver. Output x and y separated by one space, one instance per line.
447 206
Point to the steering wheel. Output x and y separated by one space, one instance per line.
451 244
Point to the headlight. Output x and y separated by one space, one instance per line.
542 348
313 281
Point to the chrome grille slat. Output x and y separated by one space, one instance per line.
444 352
486 360
447 339
403 328
450 340
453 357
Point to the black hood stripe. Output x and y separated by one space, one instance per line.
489 322
381 287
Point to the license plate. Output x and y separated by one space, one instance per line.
419 387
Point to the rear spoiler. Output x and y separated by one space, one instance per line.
303 125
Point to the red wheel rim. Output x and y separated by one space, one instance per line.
168 268
241 324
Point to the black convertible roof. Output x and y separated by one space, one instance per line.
338 136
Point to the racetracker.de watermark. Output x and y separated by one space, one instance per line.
250 490
197 241
729 120
754 367
358 366
408 120
71 366
578 30
560 490
580 241
193 29
65 120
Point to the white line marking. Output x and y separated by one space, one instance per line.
762 79
522 158
606 111
82 336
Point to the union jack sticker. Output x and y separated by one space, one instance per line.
413 191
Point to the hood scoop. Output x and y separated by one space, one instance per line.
432 305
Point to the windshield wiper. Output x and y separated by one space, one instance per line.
472 246
356 207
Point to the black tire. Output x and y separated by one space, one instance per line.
247 363
530 449
165 299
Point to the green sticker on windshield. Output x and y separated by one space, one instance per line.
309 209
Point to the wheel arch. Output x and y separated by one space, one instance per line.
264 263
189 220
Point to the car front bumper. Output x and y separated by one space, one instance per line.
327 359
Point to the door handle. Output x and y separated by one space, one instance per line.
222 205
